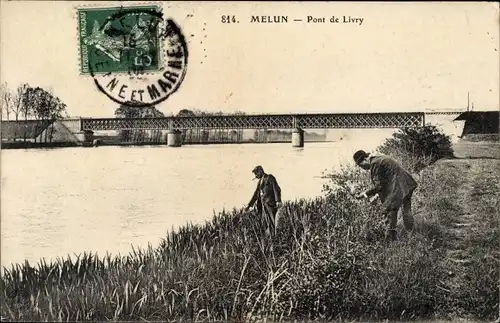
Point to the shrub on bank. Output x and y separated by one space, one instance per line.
417 148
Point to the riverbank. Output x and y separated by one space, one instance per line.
327 262
45 145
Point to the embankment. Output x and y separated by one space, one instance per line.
327 261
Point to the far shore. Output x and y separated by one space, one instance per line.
31 145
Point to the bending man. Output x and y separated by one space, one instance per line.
267 195
393 185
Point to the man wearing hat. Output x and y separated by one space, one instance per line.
392 184
267 195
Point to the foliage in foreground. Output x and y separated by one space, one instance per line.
327 261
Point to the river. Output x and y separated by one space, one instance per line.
57 202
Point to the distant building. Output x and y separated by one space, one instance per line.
39 131
480 122
22 130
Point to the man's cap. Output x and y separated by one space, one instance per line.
257 168
359 156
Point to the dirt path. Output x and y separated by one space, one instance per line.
477 149
472 247
477 195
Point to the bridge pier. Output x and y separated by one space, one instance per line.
85 136
297 137
174 138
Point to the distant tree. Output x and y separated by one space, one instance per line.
186 113
185 137
200 113
127 111
5 100
200 134
18 98
12 101
43 105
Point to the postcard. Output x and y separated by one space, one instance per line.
249 161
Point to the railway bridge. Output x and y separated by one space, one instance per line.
294 122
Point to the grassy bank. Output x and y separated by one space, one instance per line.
327 261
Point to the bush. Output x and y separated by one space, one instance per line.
417 148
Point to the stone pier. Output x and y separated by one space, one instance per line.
174 138
85 136
298 137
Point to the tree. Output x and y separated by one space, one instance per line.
127 111
17 101
6 100
200 113
12 102
199 132
42 105
186 113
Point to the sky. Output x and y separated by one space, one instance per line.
403 57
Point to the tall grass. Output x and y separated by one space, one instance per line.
326 261
319 265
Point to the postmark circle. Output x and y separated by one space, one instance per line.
135 57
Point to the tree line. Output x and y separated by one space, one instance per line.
209 135
31 103
28 102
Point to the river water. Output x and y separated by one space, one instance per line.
65 201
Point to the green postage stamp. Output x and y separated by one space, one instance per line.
135 55
119 42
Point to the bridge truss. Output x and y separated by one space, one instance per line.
280 121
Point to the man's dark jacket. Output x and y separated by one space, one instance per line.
267 194
391 181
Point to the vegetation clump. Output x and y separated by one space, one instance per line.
417 148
